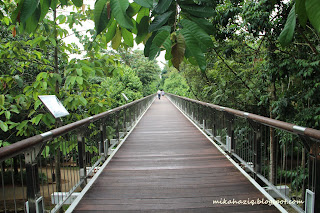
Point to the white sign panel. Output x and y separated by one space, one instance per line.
54 106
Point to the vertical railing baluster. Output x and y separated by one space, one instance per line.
314 172
124 126
257 146
32 180
2 171
82 158
116 123
102 142
214 122
129 118
230 131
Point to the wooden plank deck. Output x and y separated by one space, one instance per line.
168 165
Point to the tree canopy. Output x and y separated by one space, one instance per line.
260 56
180 27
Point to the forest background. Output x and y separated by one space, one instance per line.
256 56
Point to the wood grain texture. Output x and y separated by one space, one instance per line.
168 165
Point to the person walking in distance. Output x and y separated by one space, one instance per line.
159 94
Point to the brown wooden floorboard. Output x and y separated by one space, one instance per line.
168 165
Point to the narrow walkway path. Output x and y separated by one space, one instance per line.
168 165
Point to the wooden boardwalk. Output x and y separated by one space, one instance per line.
168 165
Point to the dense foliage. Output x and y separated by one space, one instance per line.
258 56
38 63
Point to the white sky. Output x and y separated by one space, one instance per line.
90 25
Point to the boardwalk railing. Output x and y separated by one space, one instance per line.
283 158
45 172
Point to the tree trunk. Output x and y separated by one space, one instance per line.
56 67
56 60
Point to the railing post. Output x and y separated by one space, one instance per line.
257 145
82 159
202 117
33 187
125 121
314 171
230 131
135 113
32 180
129 118
116 121
102 150
214 123
198 113
109 135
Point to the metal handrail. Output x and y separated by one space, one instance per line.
21 146
312 133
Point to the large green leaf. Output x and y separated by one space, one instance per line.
186 2
204 24
54 4
148 44
313 12
133 9
1 100
301 12
194 49
7 115
142 28
127 37
116 41
118 8
198 11
100 15
78 3
159 21
162 6
63 3
199 34
111 31
178 50
28 8
287 33
36 119
83 101
3 126
159 41
144 12
165 28
32 22
79 80
16 13
145 3
45 5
